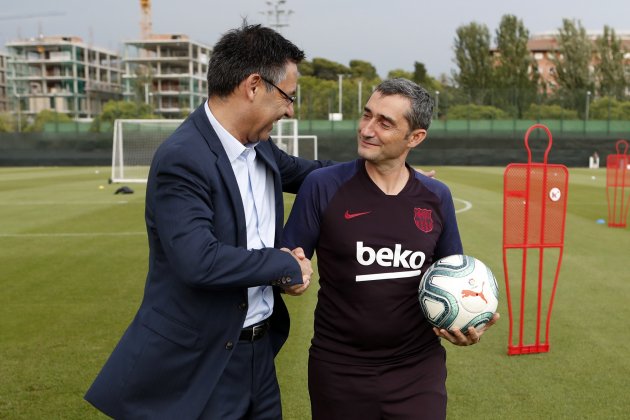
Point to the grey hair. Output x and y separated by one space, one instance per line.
421 110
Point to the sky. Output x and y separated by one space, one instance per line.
390 34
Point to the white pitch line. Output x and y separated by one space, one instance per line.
68 235
60 203
467 205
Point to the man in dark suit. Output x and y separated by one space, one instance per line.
211 321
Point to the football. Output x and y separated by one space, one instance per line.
458 291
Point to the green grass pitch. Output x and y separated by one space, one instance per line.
73 260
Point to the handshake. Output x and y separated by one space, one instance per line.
307 272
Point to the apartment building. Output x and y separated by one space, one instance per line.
4 92
167 71
63 74
545 46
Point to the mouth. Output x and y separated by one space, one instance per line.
367 143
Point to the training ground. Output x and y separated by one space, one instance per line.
73 259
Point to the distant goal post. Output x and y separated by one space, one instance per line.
285 135
135 142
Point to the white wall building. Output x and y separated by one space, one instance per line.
167 71
63 74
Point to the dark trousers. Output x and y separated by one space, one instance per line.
411 389
248 388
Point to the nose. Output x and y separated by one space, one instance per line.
290 111
366 128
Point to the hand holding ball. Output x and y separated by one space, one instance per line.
458 291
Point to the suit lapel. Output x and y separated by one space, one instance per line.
224 168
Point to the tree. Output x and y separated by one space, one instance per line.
142 82
113 110
421 77
47 116
609 72
328 70
363 69
305 68
318 98
6 123
400 73
472 56
516 73
572 65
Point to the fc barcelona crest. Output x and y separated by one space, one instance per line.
423 220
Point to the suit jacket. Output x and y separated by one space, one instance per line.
171 356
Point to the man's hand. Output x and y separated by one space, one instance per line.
430 174
307 272
459 339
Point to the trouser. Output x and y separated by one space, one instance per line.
248 388
412 389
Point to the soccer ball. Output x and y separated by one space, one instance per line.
458 291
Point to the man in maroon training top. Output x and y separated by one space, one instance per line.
376 225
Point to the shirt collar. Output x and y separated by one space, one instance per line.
233 147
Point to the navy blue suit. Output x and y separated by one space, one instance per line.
171 356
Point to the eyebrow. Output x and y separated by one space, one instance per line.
383 117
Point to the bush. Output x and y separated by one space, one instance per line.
113 110
6 123
608 108
549 112
46 116
476 112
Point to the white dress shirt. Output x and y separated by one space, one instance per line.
255 184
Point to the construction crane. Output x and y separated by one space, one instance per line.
146 27
26 16
30 15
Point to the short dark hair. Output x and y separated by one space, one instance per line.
245 51
421 110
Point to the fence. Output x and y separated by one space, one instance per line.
450 142
439 128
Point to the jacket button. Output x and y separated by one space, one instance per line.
242 306
229 345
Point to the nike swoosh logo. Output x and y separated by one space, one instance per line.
349 215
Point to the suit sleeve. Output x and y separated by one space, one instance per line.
184 213
294 169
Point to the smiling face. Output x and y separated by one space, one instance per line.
384 136
271 105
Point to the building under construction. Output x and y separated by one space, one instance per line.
4 92
167 71
62 74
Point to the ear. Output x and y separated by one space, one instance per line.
251 86
416 137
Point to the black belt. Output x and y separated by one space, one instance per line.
254 332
